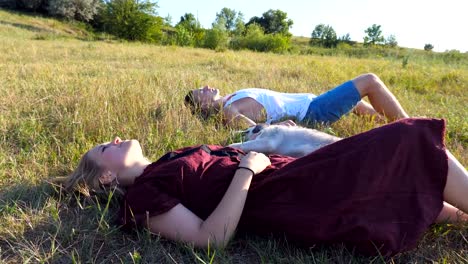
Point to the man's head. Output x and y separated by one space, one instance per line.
202 99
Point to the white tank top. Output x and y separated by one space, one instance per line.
277 105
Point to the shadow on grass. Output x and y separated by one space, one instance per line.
50 33
51 227
55 228
27 27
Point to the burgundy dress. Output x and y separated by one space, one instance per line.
376 192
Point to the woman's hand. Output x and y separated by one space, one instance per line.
255 161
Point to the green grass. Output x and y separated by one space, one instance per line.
61 94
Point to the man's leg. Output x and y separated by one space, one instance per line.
364 108
333 104
380 97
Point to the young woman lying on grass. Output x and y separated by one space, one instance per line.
376 192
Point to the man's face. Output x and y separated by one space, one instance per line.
205 96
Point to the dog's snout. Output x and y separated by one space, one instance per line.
258 128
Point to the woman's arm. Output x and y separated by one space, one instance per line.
181 224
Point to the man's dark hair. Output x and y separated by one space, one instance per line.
196 108
189 99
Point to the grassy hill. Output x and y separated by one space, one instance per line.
63 92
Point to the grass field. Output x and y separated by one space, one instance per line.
62 93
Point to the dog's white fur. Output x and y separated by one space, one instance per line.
294 141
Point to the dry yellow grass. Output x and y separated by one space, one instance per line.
61 96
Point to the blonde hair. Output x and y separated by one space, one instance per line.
85 179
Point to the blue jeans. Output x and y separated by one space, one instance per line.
332 105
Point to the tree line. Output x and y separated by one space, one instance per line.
137 20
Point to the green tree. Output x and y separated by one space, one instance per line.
217 37
273 22
256 39
240 27
189 31
183 37
391 41
229 17
324 35
318 31
374 35
132 20
189 22
31 5
345 38
168 20
81 10
428 47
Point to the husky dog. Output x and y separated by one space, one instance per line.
294 141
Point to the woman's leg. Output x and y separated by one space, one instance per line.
456 188
380 97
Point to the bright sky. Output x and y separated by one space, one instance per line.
414 23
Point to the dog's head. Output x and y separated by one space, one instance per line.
252 132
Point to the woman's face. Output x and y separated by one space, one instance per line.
205 96
118 155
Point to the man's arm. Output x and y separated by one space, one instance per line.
288 122
233 118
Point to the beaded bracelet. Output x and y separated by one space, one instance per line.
240 167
